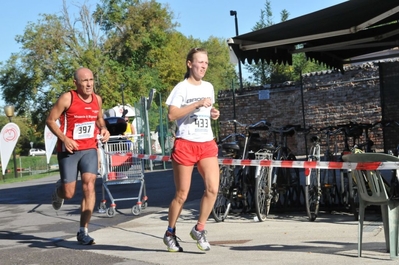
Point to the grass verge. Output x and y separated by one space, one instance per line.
28 177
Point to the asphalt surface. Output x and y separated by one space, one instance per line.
31 232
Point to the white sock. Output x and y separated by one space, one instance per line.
84 230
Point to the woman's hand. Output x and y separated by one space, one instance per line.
214 114
206 102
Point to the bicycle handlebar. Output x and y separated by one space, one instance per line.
256 125
286 129
332 130
231 136
389 123
260 125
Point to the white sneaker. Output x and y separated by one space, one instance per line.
57 202
84 238
170 240
200 236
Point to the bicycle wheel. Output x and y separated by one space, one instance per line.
222 204
312 192
295 187
345 189
263 195
288 184
248 184
331 196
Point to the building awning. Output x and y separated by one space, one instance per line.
331 36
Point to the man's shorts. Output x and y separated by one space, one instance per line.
85 161
188 153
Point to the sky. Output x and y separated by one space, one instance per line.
199 19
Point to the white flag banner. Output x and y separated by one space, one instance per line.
8 139
49 142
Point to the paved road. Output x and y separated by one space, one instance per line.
31 232
29 225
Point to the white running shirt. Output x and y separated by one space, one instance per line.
195 126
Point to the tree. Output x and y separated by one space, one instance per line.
263 73
51 50
220 71
136 31
142 38
128 44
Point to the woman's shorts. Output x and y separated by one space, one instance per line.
188 153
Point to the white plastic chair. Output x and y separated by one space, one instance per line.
372 191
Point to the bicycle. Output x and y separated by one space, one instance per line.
285 185
313 189
348 184
321 184
229 148
331 194
237 183
263 194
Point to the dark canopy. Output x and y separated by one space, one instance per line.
331 36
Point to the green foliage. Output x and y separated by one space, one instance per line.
263 73
130 45
136 31
220 71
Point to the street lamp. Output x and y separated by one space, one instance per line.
234 13
9 111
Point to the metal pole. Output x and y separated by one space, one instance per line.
161 130
148 134
147 130
234 107
20 166
13 156
303 115
234 13
15 164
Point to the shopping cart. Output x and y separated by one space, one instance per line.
120 167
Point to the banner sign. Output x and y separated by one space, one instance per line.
8 139
49 142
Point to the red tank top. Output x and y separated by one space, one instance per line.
78 122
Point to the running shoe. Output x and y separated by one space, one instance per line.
170 240
200 236
57 202
84 238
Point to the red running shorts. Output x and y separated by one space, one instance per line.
188 153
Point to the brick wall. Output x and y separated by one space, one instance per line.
330 98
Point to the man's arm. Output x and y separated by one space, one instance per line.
63 102
101 122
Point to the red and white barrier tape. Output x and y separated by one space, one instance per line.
313 164
287 163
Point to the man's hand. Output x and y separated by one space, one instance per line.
70 145
104 135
